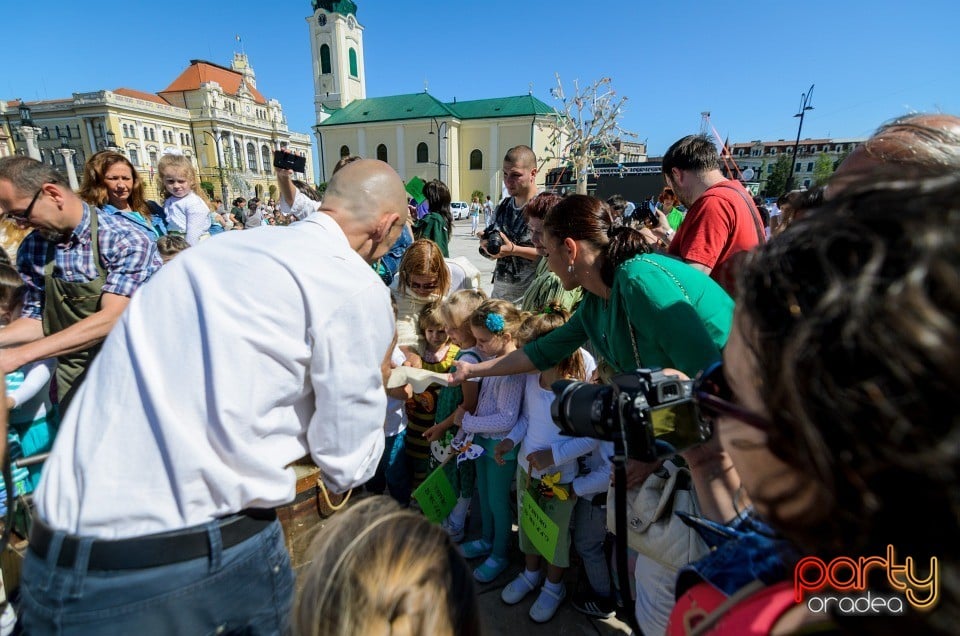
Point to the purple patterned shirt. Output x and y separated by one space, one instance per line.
128 256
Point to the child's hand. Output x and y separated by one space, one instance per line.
501 449
541 459
433 433
413 360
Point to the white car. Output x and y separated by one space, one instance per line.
459 210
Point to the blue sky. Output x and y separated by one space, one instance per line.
745 62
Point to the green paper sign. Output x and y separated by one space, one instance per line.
435 496
539 528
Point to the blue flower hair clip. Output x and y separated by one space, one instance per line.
494 323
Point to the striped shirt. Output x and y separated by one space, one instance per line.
128 256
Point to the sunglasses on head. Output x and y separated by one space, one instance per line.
715 399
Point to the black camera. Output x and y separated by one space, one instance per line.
654 414
494 242
648 215
289 161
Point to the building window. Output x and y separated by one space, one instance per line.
126 131
324 59
237 155
810 167
773 152
476 159
789 150
353 63
265 156
423 155
153 158
799 167
770 169
46 133
382 152
134 157
806 183
252 157
739 152
344 151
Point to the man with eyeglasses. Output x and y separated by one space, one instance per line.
80 269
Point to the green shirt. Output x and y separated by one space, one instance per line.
433 227
547 288
675 218
680 316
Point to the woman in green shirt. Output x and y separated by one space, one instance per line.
437 225
639 309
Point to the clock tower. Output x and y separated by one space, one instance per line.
336 41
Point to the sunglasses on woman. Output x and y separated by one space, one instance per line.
715 399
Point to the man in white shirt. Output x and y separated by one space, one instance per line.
155 513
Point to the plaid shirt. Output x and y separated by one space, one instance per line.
128 256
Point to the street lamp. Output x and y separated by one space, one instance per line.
804 107
441 128
217 140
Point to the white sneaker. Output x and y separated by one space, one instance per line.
546 604
518 588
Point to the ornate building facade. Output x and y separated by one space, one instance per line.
211 113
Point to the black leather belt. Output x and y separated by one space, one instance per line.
152 550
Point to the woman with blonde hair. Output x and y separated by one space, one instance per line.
378 569
111 183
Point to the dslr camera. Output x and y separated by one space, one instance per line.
494 242
654 414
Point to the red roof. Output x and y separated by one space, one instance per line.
200 71
150 97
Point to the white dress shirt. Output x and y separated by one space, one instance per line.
303 206
239 357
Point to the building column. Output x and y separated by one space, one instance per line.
68 162
30 135
90 136
401 155
496 185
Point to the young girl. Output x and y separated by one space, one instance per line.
494 326
33 417
437 354
187 212
452 403
542 473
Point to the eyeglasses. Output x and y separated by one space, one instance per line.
715 399
24 214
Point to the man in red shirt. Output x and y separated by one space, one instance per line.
721 222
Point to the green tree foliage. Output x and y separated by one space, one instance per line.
480 196
777 180
822 169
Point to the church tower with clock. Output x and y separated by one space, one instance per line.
336 41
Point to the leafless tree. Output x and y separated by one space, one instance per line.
588 127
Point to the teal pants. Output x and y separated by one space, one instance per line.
493 486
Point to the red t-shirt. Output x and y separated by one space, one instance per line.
718 226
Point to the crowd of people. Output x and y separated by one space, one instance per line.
822 347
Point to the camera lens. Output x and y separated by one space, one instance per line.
580 409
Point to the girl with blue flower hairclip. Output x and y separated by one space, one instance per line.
494 325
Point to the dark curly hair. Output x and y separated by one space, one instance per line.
853 315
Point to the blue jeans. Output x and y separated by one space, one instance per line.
589 533
392 471
245 589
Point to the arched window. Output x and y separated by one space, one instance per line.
266 156
476 160
324 59
423 155
344 151
353 63
56 130
237 155
134 157
252 157
382 152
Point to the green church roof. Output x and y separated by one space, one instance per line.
343 7
423 105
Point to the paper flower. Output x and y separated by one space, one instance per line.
494 323
466 449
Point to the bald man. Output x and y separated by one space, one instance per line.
156 511
928 141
